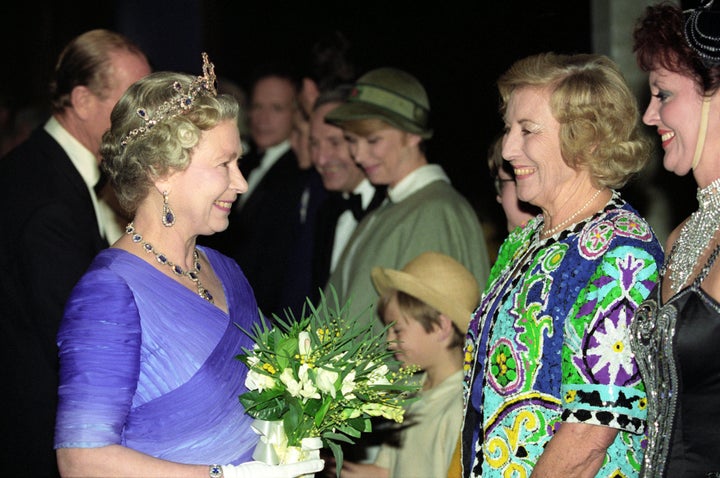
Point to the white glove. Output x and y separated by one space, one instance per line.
255 469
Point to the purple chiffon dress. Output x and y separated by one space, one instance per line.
148 364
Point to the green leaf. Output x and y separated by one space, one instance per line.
254 397
349 430
320 414
338 454
274 411
287 346
338 437
292 420
361 423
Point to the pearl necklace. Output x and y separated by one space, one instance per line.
193 275
562 225
695 236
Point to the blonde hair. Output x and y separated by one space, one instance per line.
597 112
366 127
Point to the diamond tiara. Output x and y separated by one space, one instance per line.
180 103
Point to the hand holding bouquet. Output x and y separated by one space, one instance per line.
322 377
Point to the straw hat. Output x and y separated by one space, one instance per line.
436 279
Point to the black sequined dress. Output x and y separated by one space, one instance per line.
677 346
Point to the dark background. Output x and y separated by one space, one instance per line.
457 50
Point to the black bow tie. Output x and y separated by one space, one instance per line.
354 204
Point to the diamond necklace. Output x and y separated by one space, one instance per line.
695 236
567 221
193 274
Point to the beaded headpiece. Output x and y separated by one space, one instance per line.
702 32
181 102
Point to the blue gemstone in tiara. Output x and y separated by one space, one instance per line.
180 103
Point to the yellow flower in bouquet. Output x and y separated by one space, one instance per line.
323 376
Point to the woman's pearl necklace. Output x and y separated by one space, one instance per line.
193 274
562 225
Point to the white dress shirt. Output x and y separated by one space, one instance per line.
347 223
86 164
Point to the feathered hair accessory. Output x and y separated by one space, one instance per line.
702 32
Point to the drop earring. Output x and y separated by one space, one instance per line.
168 216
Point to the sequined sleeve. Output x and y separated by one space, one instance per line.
601 382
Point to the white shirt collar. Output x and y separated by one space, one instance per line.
270 157
366 191
82 158
273 153
84 161
417 180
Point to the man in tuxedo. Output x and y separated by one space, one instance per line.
263 226
352 195
52 230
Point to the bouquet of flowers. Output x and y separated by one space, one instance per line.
322 377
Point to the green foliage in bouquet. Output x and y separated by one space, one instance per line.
325 375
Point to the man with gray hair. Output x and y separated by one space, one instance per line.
54 225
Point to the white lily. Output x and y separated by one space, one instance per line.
348 386
326 381
308 389
258 381
379 376
253 359
288 379
304 344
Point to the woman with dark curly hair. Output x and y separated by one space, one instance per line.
552 388
676 331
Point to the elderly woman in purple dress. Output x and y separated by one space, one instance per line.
148 380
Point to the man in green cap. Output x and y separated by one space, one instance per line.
386 121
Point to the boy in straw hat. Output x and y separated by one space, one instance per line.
429 304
